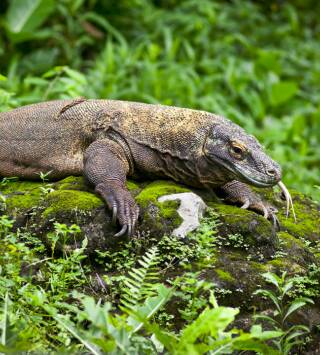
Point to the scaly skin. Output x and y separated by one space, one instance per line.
108 140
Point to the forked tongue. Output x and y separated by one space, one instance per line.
288 200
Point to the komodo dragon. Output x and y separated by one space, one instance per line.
108 140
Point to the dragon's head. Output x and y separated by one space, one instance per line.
228 145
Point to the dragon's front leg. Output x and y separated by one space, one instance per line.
240 194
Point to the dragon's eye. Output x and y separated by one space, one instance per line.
237 150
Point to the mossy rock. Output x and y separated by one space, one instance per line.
72 201
236 278
159 216
307 225
72 183
21 196
239 265
259 237
63 202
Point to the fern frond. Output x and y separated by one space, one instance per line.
140 282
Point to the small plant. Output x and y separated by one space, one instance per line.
3 202
205 237
47 188
62 233
6 224
307 285
44 176
284 307
6 180
139 285
193 293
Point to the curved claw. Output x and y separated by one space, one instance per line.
122 231
129 230
246 204
288 198
265 212
114 214
275 222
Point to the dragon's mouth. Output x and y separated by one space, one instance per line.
259 183
248 176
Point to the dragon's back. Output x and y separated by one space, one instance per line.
167 129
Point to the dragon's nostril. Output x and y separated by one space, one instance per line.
271 172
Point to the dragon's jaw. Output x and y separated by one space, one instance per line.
249 176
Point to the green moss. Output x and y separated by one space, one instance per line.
156 189
224 275
78 183
166 210
20 186
68 200
233 214
279 263
21 195
308 218
283 264
132 185
237 221
308 215
258 267
71 183
290 241
22 202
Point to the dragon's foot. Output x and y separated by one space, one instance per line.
123 206
240 194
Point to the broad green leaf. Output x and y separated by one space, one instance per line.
271 296
67 326
257 332
272 278
269 59
267 318
169 340
297 333
296 304
210 321
254 345
287 287
282 92
24 16
255 340
96 313
149 308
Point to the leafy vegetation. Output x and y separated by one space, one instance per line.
254 62
283 308
60 293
